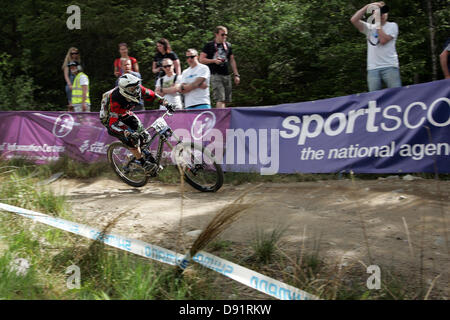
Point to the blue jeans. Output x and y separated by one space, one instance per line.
68 90
390 76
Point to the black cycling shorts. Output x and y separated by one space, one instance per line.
133 122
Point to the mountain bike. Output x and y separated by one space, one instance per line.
195 162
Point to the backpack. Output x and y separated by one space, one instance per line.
161 80
174 81
105 108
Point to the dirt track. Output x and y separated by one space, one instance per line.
335 214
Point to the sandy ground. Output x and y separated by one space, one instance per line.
336 214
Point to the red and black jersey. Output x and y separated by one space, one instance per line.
120 106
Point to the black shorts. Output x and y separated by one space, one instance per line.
133 122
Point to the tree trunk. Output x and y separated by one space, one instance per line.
432 40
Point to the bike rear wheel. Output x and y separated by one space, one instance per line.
125 165
199 167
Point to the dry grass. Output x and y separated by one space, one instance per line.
221 221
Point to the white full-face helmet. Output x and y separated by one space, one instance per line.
129 87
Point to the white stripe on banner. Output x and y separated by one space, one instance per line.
229 269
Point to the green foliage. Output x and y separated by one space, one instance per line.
15 286
111 274
16 89
105 274
286 50
21 191
75 169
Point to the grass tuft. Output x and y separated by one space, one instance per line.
265 244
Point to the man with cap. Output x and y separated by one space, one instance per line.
382 57
80 88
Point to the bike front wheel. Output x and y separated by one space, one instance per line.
199 167
125 165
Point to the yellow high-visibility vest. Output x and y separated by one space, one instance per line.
77 91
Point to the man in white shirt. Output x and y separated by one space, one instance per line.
195 83
382 58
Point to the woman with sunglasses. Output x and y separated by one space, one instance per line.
163 51
73 54
168 85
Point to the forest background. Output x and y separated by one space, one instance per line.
286 51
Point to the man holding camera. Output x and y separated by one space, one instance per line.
382 58
217 54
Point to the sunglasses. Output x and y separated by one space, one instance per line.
190 57
224 34
74 52
168 66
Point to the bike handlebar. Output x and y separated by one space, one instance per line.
170 110
168 106
167 113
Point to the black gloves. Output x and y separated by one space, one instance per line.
170 107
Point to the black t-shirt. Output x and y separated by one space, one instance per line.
159 57
215 50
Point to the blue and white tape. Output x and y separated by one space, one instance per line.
229 269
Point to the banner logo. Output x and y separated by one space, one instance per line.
84 146
63 125
203 124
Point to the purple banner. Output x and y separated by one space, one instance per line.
388 131
46 136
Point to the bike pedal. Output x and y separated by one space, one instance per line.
149 167
154 172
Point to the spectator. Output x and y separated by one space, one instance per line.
168 85
164 50
73 54
126 66
195 83
80 88
218 55
123 50
445 59
382 58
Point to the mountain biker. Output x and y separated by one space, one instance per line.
122 123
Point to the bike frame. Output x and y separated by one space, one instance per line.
195 162
163 132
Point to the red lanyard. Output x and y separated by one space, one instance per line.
224 44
